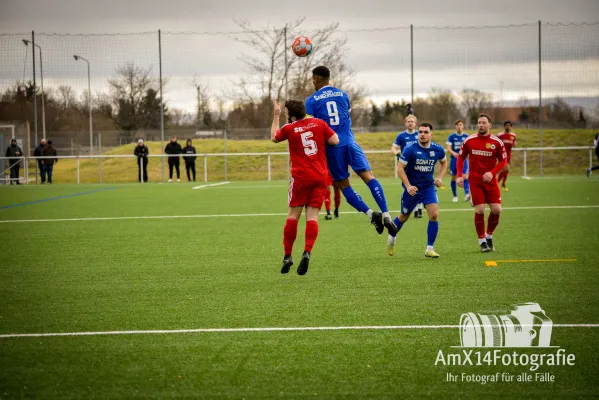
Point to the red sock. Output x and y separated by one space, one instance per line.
289 235
505 177
479 224
311 234
492 223
337 197
327 201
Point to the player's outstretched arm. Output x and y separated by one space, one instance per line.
275 121
395 149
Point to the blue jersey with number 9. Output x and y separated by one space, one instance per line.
332 106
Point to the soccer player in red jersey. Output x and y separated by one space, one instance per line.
487 157
327 200
307 138
509 141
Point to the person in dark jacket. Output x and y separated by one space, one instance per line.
14 152
49 151
174 149
141 152
38 153
190 161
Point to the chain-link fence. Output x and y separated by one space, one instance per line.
218 85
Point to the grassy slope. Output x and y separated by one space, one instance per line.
255 168
223 272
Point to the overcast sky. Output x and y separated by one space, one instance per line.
499 60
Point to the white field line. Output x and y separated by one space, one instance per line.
210 185
268 214
267 329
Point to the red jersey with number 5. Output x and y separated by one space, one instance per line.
307 148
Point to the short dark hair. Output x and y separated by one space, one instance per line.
296 109
481 115
507 122
426 124
322 72
458 121
49 142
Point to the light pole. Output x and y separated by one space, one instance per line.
89 97
26 43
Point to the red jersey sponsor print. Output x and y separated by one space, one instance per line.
508 139
485 154
307 148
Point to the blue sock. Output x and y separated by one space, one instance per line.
466 186
377 192
398 224
354 199
432 230
454 188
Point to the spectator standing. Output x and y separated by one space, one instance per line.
48 163
141 152
190 161
14 154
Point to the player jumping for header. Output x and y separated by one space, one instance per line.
487 157
332 105
307 138
415 168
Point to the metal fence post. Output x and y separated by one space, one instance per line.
395 167
78 170
205 168
268 166
590 157
100 155
525 162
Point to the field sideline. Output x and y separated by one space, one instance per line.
160 290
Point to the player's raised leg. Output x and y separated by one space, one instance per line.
338 159
360 165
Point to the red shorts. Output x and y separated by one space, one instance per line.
485 193
307 193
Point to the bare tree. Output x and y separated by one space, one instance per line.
474 102
128 91
271 65
67 96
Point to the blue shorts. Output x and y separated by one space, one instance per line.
408 203
453 167
340 158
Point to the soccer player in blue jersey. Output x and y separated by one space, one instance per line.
333 106
454 144
403 140
416 168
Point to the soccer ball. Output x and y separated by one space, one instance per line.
302 46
